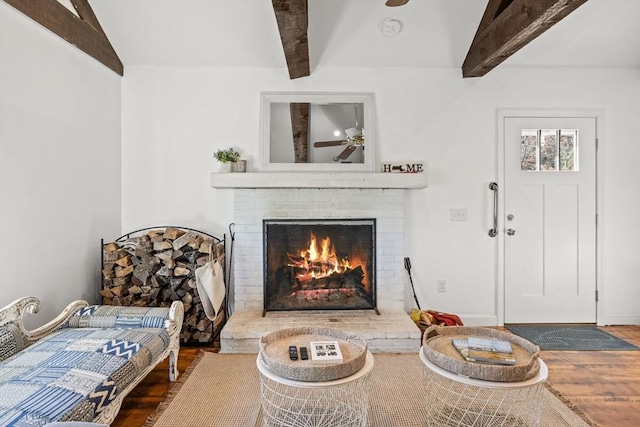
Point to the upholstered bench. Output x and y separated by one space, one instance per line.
81 365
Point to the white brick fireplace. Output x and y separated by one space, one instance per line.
392 330
253 205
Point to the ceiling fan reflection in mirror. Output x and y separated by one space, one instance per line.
354 139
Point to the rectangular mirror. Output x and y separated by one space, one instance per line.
314 131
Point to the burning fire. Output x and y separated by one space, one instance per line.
318 262
319 294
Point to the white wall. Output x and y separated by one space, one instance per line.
175 118
59 166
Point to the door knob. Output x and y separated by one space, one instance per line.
511 231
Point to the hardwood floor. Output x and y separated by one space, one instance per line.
604 384
153 390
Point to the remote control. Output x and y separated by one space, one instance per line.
303 353
293 352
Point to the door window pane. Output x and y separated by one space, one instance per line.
568 139
549 150
529 150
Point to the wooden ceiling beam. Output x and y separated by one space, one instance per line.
85 32
509 25
494 8
85 13
292 17
395 3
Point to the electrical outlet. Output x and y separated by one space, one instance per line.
442 286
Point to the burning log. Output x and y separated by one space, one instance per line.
320 266
157 268
351 278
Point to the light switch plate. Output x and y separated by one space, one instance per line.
458 214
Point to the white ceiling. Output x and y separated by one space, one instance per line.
347 33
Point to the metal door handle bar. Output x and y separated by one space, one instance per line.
494 231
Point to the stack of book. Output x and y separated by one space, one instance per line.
485 350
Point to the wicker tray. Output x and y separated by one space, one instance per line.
274 351
438 349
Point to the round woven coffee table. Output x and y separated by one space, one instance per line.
455 400
289 403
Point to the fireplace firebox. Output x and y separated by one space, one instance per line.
326 264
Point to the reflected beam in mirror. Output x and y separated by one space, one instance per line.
300 129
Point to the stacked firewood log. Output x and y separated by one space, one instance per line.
157 268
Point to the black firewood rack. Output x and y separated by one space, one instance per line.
216 241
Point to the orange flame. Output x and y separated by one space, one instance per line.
319 262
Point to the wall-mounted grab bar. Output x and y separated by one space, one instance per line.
494 187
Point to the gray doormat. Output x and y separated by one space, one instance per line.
568 337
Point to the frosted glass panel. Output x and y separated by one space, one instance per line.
568 150
549 150
529 150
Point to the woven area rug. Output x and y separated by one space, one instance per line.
224 390
569 337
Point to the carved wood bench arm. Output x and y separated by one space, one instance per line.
14 314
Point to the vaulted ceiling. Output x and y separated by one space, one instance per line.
347 33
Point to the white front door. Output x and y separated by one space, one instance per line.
550 220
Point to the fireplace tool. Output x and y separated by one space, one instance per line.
407 266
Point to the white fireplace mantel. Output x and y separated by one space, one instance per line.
319 180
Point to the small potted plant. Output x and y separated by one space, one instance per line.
226 157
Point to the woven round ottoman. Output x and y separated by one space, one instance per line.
301 394
461 393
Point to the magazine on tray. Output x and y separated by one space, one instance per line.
323 352
485 350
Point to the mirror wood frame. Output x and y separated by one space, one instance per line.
269 98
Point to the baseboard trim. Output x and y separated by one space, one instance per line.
476 320
621 319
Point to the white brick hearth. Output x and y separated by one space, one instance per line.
391 331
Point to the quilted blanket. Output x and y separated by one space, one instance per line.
79 370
